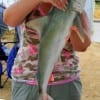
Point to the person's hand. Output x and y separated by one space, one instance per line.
78 5
45 96
60 4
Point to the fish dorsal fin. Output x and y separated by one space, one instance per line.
78 23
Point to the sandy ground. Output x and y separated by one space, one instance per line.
90 71
90 62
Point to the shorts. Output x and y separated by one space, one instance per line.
68 91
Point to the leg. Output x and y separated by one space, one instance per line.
22 91
68 91
75 90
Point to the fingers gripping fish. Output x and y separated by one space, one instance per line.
53 29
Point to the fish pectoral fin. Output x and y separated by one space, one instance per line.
38 23
81 31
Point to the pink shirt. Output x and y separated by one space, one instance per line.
25 68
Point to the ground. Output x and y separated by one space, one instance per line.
90 72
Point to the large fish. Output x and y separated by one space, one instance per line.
53 29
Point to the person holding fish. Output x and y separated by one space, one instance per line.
64 82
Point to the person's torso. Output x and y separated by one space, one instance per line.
26 62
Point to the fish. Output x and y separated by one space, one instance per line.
53 29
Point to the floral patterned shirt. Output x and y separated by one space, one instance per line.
26 62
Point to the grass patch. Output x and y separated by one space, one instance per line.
97 4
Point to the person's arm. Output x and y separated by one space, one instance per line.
77 43
16 13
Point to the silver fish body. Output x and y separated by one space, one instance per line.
54 29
